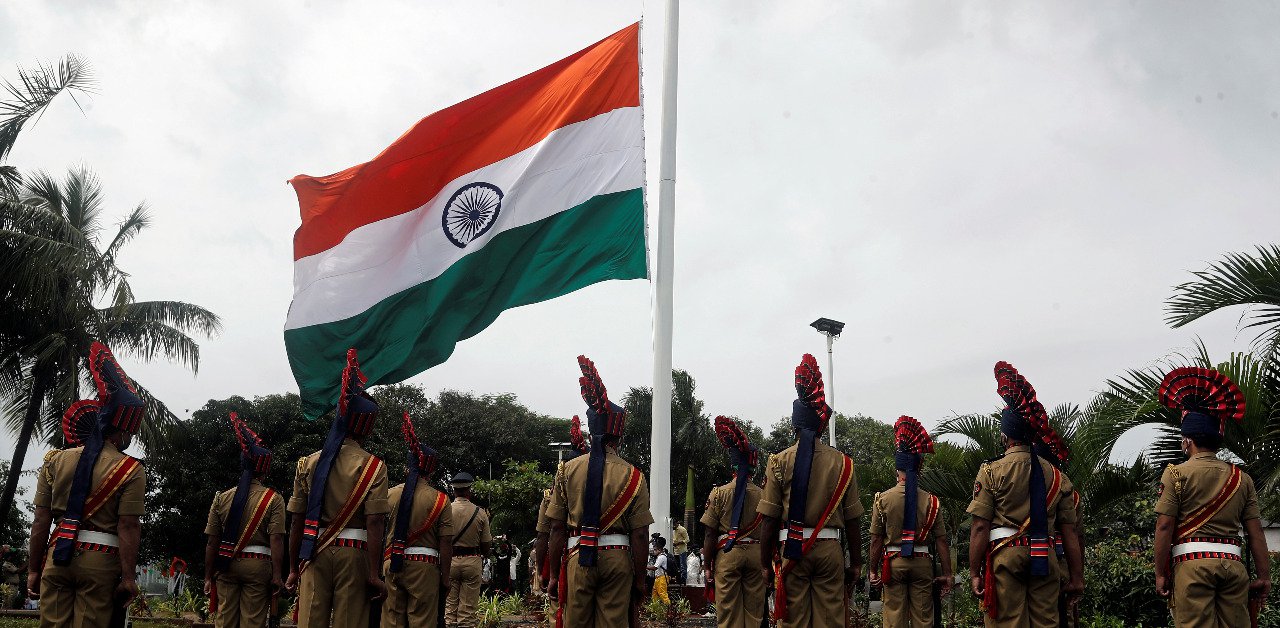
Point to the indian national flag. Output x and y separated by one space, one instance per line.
524 193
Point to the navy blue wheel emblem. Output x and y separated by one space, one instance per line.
471 212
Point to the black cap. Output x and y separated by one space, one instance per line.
463 480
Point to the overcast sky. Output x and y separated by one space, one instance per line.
959 182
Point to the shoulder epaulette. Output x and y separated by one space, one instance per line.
51 454
990 460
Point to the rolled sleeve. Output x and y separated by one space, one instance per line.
1168 504
133 495
711 514
44 483
275 515
983 505
301 487
877 517
1250 501
771 501
213 527
559 507
444 525
375 502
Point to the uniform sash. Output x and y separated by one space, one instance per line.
396 549
311 529
990 600
930 517
64 535
607 520
227 548
783 565
744 532
1204 514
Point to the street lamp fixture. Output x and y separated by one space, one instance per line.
831 329
560 449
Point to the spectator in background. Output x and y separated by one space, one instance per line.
680 547
693 570
659 571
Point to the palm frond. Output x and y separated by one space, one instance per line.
147 339
35 89
1251 280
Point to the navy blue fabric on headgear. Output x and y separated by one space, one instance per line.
254 460
1206 398
744 457
118 407
1024 419
809 416
421 461
604 418
354 417
911 441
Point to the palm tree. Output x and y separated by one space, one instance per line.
68 293
27 98
1131 401
1239 279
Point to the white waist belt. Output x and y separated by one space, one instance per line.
422 551
920 549
257 549
741 540
1199 546
825 533
350 534
605 539
1002 533
101 538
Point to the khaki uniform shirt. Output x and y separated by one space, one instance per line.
1187 487
424 499
890 507
825 473
475 534
347 467
568 500
1002 492
544 522
53 487
272 522
719 513
679 539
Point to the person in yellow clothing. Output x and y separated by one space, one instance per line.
1203 504
1020 501
339 508
472 540
732 524
92 494
420 542
599 518
905 522
244 555
812 487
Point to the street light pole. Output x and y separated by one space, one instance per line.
831 329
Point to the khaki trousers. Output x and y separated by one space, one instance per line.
740 588
413 595
1210 593
815 588
464 591
908 599
599 596
334 584
1024 602
81 594
244 594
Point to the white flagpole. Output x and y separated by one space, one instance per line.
664 261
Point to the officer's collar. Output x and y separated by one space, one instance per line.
1018 448
1205 455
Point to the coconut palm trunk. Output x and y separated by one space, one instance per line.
38 389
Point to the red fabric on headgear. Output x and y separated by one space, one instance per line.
597 398
251 446
576 436
1196 389
426 462
359 421
115 390
79 421
909 436
810 390
733 438
1020 396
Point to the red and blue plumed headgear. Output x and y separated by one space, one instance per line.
809 416
255 459
910 442
1206 398
421 461
604 418
744 457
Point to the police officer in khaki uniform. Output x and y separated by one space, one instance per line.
600 519
471 543
732 524
538 557
244 555
339 508
905 521
94 494
1020 501
811 487
420 543
1203 504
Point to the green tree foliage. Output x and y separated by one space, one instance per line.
1240 279
15 526
868 441
202 457
513 499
